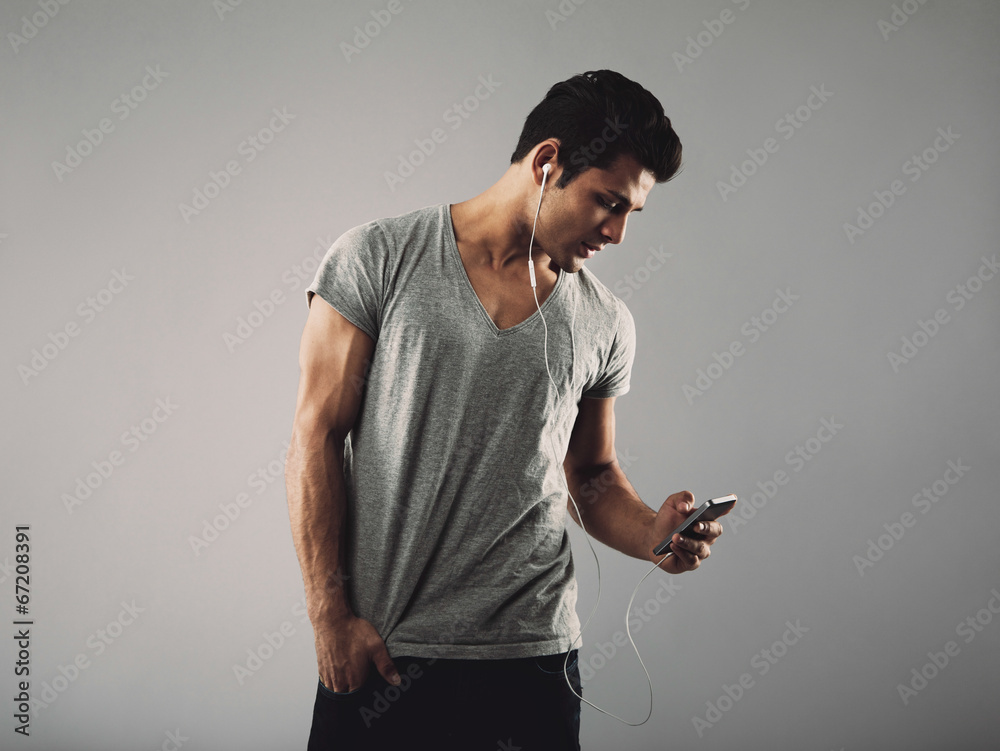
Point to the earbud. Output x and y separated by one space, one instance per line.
546 167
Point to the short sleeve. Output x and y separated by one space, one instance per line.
352 275
615 379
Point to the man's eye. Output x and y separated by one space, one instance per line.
606 205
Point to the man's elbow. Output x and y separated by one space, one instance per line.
313 433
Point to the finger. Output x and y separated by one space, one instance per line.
708 530
693 546
385 665
685 560
682 501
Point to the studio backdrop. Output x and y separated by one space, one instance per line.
817 305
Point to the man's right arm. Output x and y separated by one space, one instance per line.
333 359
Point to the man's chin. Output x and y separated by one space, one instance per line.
573 266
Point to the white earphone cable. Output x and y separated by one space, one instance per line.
628 631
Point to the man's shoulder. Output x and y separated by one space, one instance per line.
391 232
599 296
415 220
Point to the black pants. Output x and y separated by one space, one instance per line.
460 705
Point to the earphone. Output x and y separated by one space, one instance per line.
531 271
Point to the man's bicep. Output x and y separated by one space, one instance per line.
334 359
592 442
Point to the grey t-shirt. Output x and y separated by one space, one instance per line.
456 535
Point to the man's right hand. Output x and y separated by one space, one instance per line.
344 648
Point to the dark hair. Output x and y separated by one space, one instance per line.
597 116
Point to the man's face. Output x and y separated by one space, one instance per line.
590 211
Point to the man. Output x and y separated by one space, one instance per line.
429 448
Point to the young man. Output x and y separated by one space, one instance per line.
429 450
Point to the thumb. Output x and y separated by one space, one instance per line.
385 665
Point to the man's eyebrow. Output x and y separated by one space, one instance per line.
623 199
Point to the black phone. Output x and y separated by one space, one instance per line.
709 510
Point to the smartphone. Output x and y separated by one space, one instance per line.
708 511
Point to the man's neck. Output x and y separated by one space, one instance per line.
492 230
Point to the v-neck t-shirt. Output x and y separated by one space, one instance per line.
456 539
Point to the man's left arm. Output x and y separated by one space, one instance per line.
612 511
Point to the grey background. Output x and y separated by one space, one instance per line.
163 336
